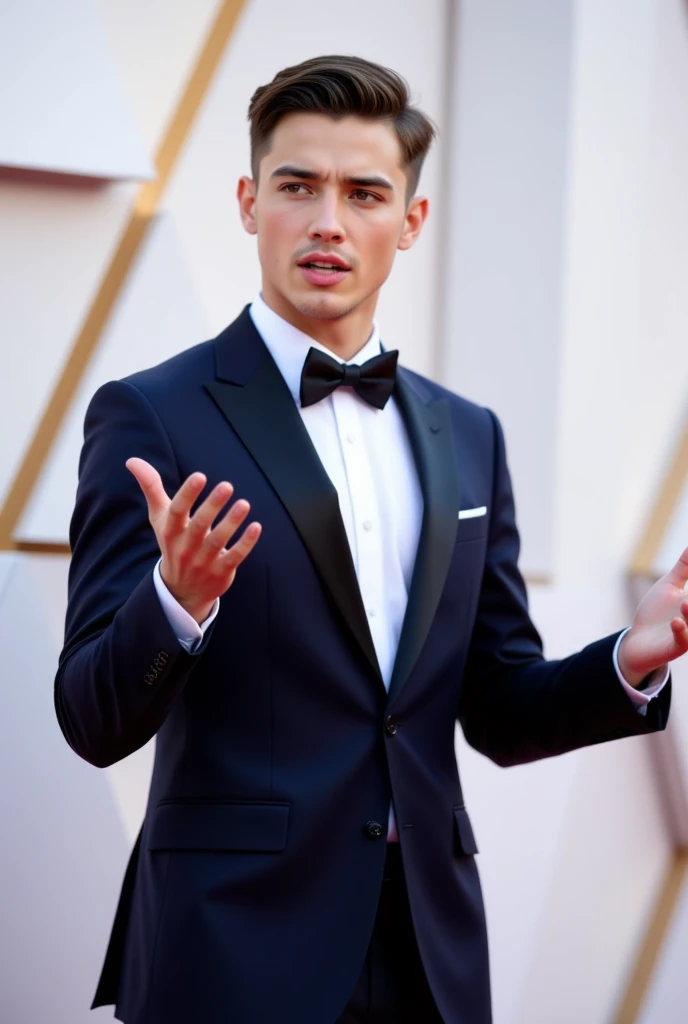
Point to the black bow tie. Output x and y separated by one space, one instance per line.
373 381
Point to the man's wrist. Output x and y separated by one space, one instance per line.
636 680
199 612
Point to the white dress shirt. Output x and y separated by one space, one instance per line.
367 455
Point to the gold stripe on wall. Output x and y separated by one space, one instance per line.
140 219
643 562
42 547
653 941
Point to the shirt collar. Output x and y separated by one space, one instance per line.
289 346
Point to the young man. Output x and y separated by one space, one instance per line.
304 688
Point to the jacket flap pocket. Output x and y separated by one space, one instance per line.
464 831
211 825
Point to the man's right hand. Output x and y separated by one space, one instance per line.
196 566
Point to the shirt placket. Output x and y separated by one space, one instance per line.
367 548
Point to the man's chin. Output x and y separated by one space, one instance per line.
323 307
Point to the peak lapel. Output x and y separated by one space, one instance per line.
252 395
429 429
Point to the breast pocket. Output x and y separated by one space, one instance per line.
473 528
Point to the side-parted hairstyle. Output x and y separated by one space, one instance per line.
340 86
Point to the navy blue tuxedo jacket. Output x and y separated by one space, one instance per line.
252 890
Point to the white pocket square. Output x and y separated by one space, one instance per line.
473 513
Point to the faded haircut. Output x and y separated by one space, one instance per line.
339 87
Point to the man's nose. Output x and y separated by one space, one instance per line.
327 221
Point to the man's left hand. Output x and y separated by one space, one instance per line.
659 633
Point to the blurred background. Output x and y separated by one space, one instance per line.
551 283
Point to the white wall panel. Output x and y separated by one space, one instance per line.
63 107
7 564
54 247
656 387
48 575
129 781
610 863
502 243
154 46
611 851
201 196
666 1001
63 849
157 316
616 388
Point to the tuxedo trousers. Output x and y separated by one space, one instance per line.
392 987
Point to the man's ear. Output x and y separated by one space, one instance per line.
246 195
416 215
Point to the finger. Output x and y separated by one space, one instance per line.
243 547
205 515
679 628
228 525
150 482
678 576
181 503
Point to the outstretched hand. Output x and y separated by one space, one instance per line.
659 633
196 566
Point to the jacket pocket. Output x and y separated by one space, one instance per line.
463 832
219 826
472 529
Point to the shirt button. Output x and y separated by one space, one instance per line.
367 525
371 613
351 437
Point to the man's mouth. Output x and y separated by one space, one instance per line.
326 267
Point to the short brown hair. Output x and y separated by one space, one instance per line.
342 87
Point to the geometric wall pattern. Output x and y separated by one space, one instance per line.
125 247
64 109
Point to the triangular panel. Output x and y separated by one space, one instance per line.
157 316
63 105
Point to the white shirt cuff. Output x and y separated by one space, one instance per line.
186 629
656 682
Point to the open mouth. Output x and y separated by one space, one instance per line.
325 268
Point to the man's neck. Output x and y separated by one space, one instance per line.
343 336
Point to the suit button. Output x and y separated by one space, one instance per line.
374 830
390 726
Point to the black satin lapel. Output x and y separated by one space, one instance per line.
433 446
264 415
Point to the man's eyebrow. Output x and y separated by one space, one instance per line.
360 180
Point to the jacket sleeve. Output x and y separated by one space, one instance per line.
121 668
515 706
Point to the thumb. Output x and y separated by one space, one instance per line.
150 482
679 574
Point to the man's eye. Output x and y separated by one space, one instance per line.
362 193
292 185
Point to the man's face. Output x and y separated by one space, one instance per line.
329 190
